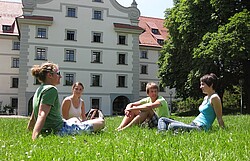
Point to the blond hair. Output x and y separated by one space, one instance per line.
40 71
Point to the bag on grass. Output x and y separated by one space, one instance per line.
94 113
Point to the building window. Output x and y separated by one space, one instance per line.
144 69
122 58
143 86
121 81
97 0
96 80
70 55
71 12
97 37
144 54
160 41
95 103
41 32
6 28
97 15
69 79
16 45
96 57
15 82
41 53
70 35
15 62
155 31
122 40
14 102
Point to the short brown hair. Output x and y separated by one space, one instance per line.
151 85
210 79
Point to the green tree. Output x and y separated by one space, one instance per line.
229 49
186 22
204 37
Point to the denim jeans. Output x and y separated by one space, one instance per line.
165 124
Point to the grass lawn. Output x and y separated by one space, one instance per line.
135 143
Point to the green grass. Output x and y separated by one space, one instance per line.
134 143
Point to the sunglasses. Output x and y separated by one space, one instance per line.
58 73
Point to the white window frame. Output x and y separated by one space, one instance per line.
97 98
125 83
100 79
45 53
12 82
94 13
70 30
16 46
141 70
67 11
41 36
66 79
144 53
65 55
145 84
118 58
15 62
126 39
101 36
92 56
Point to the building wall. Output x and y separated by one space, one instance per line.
56 44
7 72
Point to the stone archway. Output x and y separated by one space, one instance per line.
119 105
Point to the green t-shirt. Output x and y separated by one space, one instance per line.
47 94
162 110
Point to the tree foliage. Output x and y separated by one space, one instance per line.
204 37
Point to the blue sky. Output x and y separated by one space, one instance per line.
149 8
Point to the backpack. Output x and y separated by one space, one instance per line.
94 113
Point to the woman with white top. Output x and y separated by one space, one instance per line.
73 106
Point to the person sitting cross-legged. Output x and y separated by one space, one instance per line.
148 109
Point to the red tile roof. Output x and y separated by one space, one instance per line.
148 38
8 12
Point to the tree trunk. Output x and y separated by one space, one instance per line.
246 87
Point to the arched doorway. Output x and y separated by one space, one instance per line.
119 105
30 106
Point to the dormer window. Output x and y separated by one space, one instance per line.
155 31
7 28
160 41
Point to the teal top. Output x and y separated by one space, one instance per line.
47 94
162 110
206 116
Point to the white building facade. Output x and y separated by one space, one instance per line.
94 42
9 55
99 43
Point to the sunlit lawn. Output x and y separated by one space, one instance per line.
135 143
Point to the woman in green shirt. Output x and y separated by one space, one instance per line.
46 115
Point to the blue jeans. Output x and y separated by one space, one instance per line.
165 124
73 126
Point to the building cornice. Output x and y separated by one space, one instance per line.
118 27
35 20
